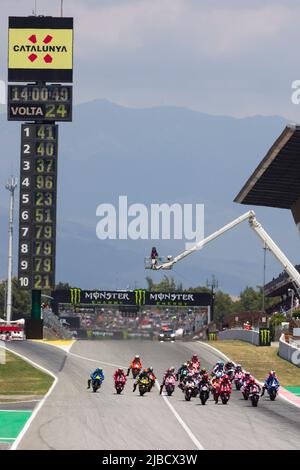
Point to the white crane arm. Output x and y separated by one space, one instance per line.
263 235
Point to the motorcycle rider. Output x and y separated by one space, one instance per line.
170 372
96 373
195 361
151 375
189 380
249 381
119 375
229 369
219 367
154 256
269 380
182 371
135 363
215 381
143 375
204 380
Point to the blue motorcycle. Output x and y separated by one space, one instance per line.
272 390
96 383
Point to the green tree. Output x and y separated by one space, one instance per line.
21 300
223 306
165 285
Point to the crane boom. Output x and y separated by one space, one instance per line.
262 234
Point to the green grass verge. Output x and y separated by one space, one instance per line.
259 360
18 377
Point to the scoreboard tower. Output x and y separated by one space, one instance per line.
40 51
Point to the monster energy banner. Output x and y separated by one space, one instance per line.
137 297
264 337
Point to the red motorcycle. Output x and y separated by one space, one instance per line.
222 391
120 384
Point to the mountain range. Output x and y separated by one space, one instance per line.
154 155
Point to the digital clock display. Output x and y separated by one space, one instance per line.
39 103
37 227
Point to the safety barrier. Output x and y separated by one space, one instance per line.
289 351
250 336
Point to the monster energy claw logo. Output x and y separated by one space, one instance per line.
264 335
75 296
140 296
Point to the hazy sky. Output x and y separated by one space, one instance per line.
231 57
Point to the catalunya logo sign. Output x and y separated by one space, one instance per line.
40 48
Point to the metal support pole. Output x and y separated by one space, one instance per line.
213 284
36 304
264 279
10 186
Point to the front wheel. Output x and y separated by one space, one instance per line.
272 395
203 398
237 386
254 400
225 400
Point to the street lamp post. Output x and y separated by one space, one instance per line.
10 186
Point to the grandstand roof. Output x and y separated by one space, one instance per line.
275 182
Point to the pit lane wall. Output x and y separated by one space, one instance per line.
289 352
250 336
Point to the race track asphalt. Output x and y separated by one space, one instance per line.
76 418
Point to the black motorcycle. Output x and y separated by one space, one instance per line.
204 393
189 391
